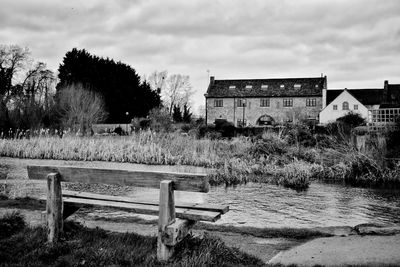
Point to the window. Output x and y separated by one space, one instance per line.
334 107
282 86
264 102
249 86
241 103
241 123
355 107
288 102
311 102
345 105
264 87
218 103
297 86
231 87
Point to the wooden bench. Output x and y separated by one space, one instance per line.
174 221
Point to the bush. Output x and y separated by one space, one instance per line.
300 135
269 145
186 128
352 119
160 120
227 129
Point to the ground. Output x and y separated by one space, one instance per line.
363 245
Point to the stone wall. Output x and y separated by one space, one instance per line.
253 111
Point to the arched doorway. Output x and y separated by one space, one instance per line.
265 120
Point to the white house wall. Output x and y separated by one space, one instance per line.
329 115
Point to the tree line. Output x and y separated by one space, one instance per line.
88 89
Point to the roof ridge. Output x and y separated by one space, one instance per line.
260 79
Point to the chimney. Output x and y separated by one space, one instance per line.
385 99
324 92
212 79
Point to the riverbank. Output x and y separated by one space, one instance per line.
276 158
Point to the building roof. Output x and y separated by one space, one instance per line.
393 94
365 96
266 87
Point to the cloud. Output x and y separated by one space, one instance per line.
353 42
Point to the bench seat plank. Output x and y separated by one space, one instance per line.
196 206
152 179
182 213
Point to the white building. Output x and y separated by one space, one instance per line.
339 102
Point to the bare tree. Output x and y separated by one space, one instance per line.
177 92
81 108
13 59
157 80
175 89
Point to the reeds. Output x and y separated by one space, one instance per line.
143 147
269 159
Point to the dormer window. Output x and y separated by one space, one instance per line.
232 87
297 86
264 87
249 86
282 86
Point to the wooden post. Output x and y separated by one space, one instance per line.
166 217
54 207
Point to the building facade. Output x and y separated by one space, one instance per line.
258 102
369 103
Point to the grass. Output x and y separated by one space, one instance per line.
10 224
142 147
81 246
276 158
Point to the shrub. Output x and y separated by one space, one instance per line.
186 128
352 119
300 135
160 120
227 129
270 144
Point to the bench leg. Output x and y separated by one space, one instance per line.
54 207
166 217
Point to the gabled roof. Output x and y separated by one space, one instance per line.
365 96
308 87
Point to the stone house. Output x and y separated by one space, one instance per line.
258 102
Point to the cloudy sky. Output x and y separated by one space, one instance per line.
356 43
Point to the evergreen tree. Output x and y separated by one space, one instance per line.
177 114
187 115
120 86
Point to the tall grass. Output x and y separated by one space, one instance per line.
272 158
143 147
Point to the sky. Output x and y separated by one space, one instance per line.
356 43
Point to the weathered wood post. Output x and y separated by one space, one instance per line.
166 217
54 207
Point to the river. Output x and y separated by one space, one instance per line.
263 205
